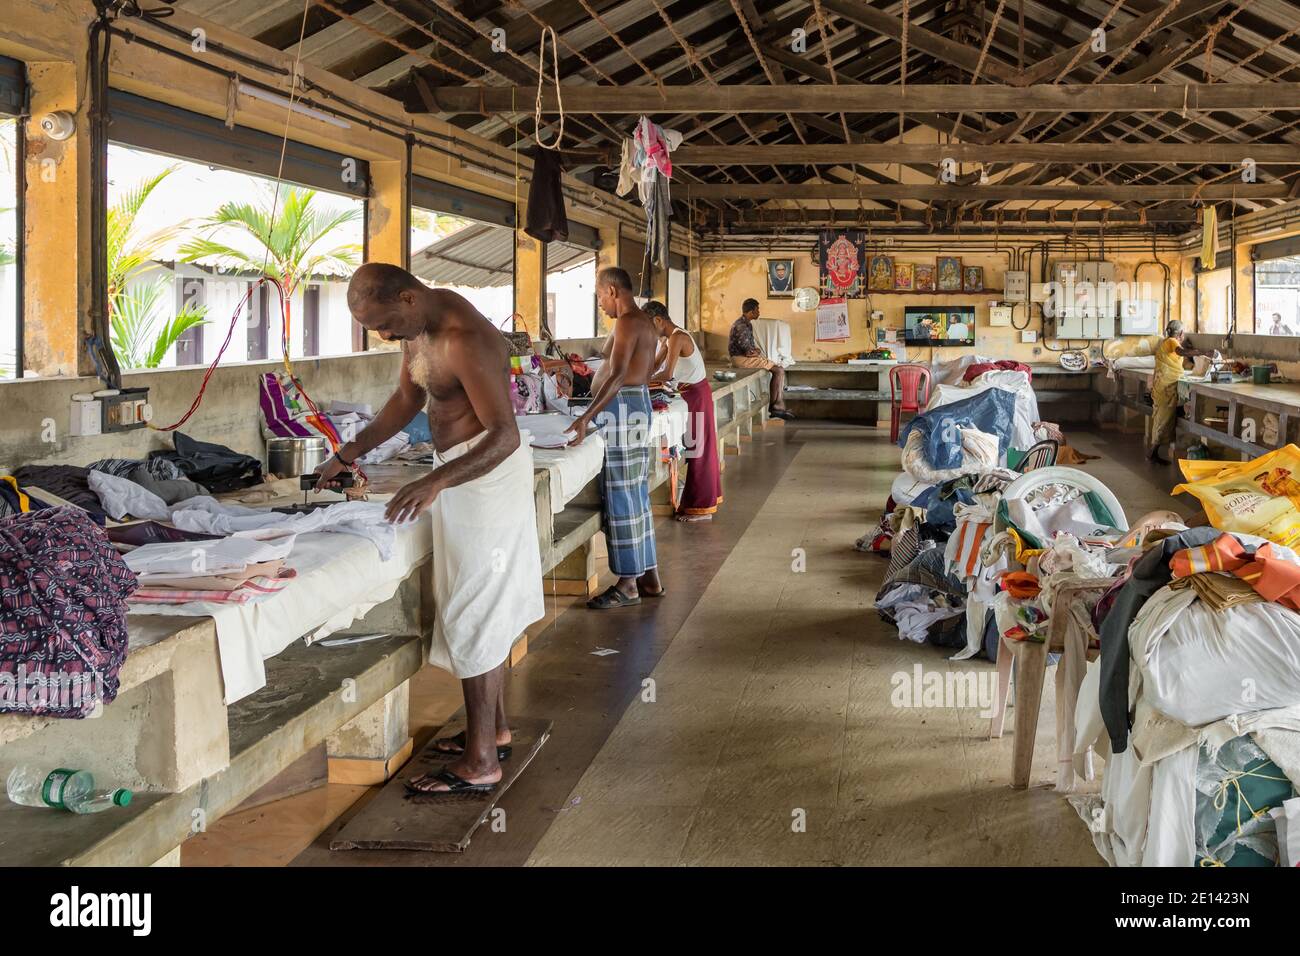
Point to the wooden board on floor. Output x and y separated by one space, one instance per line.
400 820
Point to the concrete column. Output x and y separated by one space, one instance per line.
370 747
56 244
530 281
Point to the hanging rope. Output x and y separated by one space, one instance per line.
559 94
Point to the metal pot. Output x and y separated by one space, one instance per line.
288 457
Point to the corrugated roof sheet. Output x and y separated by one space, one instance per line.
482 256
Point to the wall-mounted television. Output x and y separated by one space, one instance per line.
940 325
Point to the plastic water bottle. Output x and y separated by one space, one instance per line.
62 789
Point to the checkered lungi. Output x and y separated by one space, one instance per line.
625 425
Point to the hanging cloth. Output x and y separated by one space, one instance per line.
546 220
1209 238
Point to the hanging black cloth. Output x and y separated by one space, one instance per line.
546 220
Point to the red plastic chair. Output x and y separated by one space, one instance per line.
909 391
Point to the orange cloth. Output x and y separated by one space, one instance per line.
1020 584
1273 578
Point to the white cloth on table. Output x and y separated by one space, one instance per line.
121 497
233 553
487 567
773 337
337 582
669 425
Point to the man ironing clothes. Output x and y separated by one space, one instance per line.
487 569
620 406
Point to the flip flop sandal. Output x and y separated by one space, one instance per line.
454 782
503 750
612 598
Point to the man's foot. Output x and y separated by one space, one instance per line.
1155 458
648 584
457 777
781 413
612 597
454 746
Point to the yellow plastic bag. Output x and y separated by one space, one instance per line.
1260 497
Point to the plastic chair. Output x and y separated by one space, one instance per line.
1040 455
909 391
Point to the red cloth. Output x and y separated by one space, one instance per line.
703 491
1004 365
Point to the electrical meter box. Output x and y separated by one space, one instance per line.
1139 317
1083 302
1000 315
1015 286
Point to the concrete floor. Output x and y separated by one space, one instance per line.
767 734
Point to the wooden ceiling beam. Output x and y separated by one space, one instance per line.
863 98
994 192
826 154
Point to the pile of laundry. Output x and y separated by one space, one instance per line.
957 522
1195 699
179 567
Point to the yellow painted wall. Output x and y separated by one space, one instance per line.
727 280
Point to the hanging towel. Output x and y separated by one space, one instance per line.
627 172
546 220
1209 238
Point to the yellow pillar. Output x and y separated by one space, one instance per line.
388 223
530 282
56 241
606 256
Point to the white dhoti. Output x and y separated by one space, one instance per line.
487 566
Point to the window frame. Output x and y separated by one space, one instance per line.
14 104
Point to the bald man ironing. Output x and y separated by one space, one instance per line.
487 569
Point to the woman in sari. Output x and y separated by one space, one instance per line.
680 359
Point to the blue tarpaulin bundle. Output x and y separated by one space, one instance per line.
992 411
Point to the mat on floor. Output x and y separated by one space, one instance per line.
398 820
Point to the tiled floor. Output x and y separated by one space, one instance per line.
748 718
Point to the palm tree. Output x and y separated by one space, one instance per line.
133 310
290 244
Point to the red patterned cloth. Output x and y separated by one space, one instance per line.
63 633
1005 365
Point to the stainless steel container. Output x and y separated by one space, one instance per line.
288 457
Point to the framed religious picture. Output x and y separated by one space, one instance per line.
948 273
973 279
780 278
923 279
842 259
904 276
880 274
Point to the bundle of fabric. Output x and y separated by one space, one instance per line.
951 372
215 467
69 482
14 500
990 412
286 413
63 594
349 421
976 369
645 163
159 475
1196 701
1025 413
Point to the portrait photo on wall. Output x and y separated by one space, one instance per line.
949 273
973 279
923 278
880 274
904 276
842 258
780 278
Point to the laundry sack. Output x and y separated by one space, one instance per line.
1260 497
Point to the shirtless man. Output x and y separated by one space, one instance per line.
621 407
487 565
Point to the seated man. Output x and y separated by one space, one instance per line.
745 353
